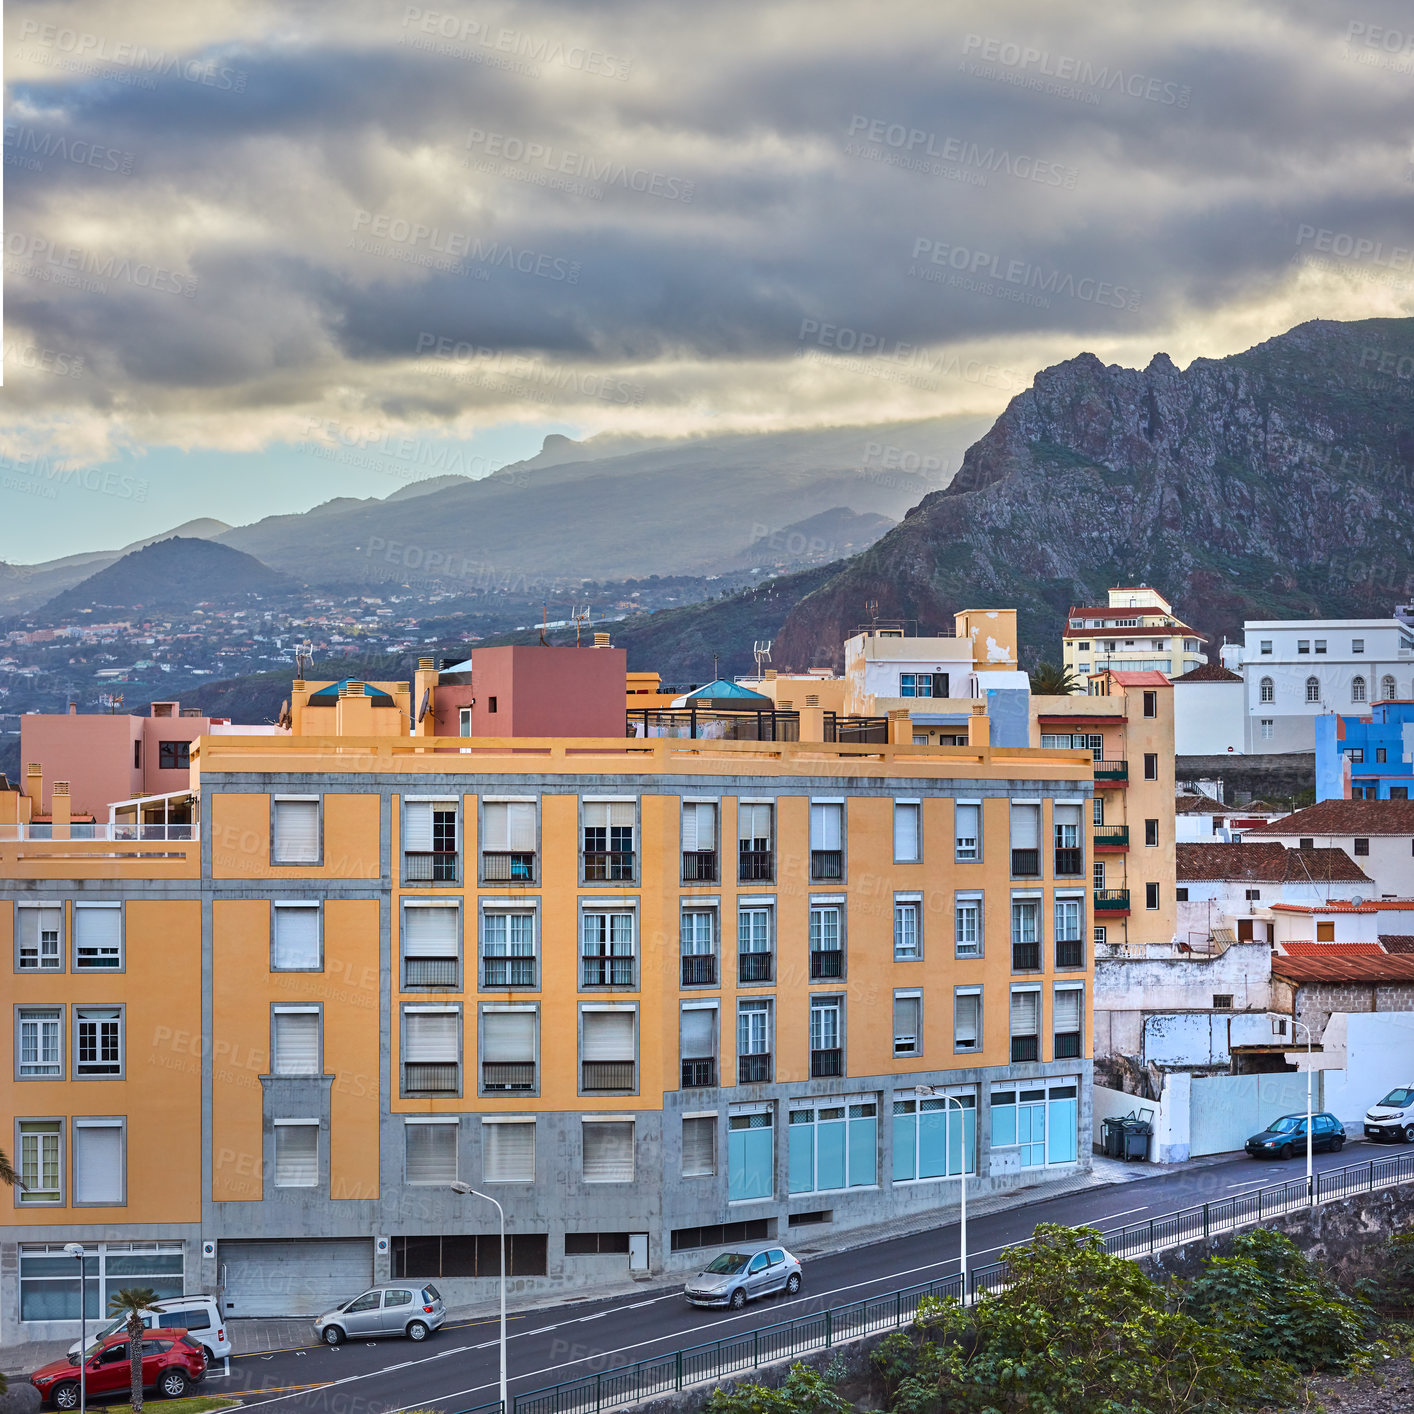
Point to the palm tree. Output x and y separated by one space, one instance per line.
1047 680
131 1302
9 1174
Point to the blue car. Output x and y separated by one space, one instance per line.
1286 1136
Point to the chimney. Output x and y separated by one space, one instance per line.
34 786
73 709
900 727
59 810
425 682
812 719
601 640
979 730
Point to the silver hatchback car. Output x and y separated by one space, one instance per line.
413 1309
742 1274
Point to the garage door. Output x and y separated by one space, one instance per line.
293 1278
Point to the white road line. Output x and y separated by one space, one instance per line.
1110 1217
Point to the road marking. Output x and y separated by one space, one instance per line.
1110 1217
281 1389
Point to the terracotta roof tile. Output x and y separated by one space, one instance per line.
1148 678
1397 942
1209 672
1324 968
1266 862
1346 817
1299 948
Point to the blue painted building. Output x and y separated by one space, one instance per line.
1366 758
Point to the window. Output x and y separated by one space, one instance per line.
174 755
1099 935
606 949
296 1153
753 1042
1313 689
49 1282
1151 701
826 943
294 1040
1362 848
431 944
430 841
697 1045
923 685
753 941
1097 810
1266 690
40 1164
698 935
967 1019
826 1037
1388 690
464 721
508 1050
1325 932
1151 895
1266 728
1067 1022
967 828
491 704
908 1023
1151 766
40 1041
1026 841
137 756
1222 1001
294 830
469 1255
967 926
1181 894
826 840
608 1151
98 937
699 842
754 843
40 932
1070 936
1357 755
834 1145
906 935
98 1042
430 1150
1025 1025
1357 645
1308 842
1303 645
1026 935
607 1049
1070 856
933 1138
1357 688
100 1164
508 1147
723 1234
608 841
508 842
431 1049
907 832
1040 1123
1266 648
1320 645
699 1146
1381 755
295 938
1097 874
750 1154
508 948
1151 833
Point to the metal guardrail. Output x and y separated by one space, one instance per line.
717 1359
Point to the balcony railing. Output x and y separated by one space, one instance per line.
754 967
827 1063
1111 900
606 972
826 962
1026 864
1111 772
826 864
1069 861
1025 1048
754 866
1026 957
430 971
699 866
126 833
508 972
608 866
1070 952
1067 1045
698 1074
754 1069
699 970
508 866
607 1075
430 868
1111 836
508 1075
431 1077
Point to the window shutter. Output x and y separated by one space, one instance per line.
606 814
430 1036
699 828
431 1152
906 1013
608 1152
608 1035
510 1152
297 936
754 823
699 1146
98 936
906 831
521 827
417 826
296 1043
34 924
967 826
1025 1013
1025 826
496 826
968 1013
98 1162
429 932
297 831
508 1035
1066 1009
699 1033
825 829
296 1155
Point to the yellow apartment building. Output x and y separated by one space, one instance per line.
656 995
1136 631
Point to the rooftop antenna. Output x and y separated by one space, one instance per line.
111 700
304 657
544 623
761 650
714 667
579 618
871 608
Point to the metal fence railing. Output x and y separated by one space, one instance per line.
819 1330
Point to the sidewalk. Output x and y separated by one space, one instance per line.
260 1336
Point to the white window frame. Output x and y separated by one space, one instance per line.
276 860
87 1124
906 905
48 1017
36 1195
92 909
286 1126
287 907
56 957
970 902
296 1009
914 995
604 909
961 854
959 1049
505 910
916 809
82 1018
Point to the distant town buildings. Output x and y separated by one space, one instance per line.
1366 757
1135 632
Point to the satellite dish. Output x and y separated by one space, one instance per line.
1357 900
422 710
284 719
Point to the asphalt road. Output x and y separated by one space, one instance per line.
458 1367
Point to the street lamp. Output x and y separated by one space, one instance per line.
1310 1186
75 1249
465 1188
932 1092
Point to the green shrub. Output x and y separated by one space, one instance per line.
805 1391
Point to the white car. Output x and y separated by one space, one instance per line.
196 1314
735 1277
1393 1117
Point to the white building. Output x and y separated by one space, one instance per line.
1202 819
1295 670
1377 834
1209 712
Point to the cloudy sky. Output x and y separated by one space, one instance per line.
260 254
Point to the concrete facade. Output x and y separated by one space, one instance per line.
1366 757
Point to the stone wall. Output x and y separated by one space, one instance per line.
1277 776
1315 1001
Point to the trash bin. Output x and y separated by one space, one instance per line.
1136 1139
1113 1142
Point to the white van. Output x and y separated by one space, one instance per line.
197 1314
1393 1117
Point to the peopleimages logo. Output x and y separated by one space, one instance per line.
987 272
1030 66
84 52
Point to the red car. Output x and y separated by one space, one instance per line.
172 1362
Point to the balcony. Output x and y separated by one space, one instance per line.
754 866
430 868
1025 1048
1111 837
826 1064
508 972
1026 957
507 867
608 866
699 867
1070 953
1070 862
606 972
699 970
1112 903
826 865
826 963
754 967
1067 1045
699 1074
431 1077
1109 774
430 972
508 1075
607 1075
1026 864
754 1069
